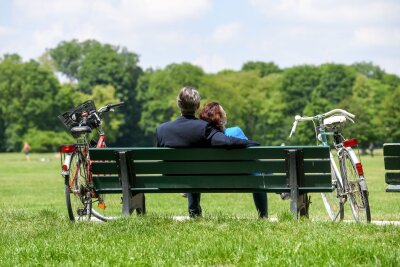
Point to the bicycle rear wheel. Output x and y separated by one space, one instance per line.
333 201
355 187
77 193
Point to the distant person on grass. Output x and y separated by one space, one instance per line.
216 115
26 149
189 131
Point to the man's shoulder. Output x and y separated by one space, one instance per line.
181 121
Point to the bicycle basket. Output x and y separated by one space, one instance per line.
72 117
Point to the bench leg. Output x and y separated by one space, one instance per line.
138 203
299 203
294 187
303 205
126 188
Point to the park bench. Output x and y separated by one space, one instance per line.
298 170
391 154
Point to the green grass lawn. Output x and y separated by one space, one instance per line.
35 230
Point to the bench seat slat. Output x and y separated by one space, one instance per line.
252 153
208 190
251 182
215 167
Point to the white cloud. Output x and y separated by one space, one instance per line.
288 32
211 63
121 12
226 33
132 23
330 11
170 38
377 37
5 30
49 36
167 11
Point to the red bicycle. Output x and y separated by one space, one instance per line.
81 198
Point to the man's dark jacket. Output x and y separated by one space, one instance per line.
188 131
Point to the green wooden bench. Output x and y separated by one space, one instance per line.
298 170
391 154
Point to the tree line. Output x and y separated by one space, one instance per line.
261 98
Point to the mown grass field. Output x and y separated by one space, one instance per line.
35 230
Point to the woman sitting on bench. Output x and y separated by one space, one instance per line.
215 114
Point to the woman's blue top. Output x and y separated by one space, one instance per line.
235 132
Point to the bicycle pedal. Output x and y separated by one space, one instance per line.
102 206
81 212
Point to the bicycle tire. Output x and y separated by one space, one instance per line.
355 187
332 201
77 194
112 208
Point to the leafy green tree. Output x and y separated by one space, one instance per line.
366 102
368 69
298 84
273 126
240 97
27 100
392 80
46 141
390 115
157 91
262 68
90 64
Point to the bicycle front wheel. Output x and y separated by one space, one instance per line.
355 187
77 193
333 201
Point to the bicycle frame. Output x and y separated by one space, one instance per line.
322 137
338 143
68 150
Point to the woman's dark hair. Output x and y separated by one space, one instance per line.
213 113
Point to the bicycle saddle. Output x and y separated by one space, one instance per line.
334 121
80 130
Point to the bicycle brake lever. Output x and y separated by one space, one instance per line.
293 128
350 119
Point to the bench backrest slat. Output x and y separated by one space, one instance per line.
252 153
211 167
220 183
391 150
391 155
392 178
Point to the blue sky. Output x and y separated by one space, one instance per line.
212 34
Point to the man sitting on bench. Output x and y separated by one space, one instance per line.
189 131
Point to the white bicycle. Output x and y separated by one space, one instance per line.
348 180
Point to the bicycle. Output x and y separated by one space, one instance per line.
81 199
348 181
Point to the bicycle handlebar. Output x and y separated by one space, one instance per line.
344 112
109 107
298 118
